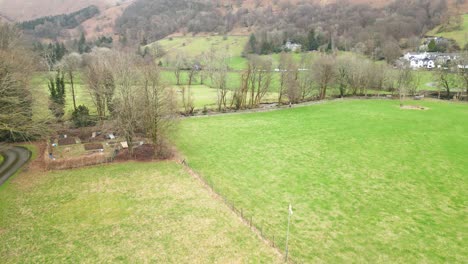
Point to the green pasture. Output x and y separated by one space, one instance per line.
128 212
369 182
460 36
195 46
40 90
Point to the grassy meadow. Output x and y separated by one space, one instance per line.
196 46
369 182
41 94
128 212
460 36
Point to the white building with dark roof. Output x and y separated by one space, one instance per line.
429 60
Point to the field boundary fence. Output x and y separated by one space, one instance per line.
272 239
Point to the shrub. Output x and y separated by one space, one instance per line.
81 117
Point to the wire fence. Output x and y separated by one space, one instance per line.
272 238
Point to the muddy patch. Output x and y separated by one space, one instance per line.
413 107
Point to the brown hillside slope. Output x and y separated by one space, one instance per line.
21 10
104 23
463 8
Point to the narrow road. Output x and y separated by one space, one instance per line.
15 158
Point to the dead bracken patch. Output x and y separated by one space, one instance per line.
66 141
413 107
144 152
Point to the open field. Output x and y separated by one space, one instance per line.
193 47
460 36
41 94
206 96
369 182
132 212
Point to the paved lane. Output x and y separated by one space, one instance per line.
15 158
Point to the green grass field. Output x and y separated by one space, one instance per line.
41 94
460 36
369 182
195 46
130 212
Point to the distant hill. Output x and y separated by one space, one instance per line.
22 10
112 10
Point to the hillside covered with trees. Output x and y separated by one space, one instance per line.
345 26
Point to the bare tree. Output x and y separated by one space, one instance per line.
462 71
391 51
18 122
179 65
260 85
446 80
70 64
219 74
283 66
187 95
100 80
239 99
324 73
374 77
304 77
160 107
343 65
128 96
405 82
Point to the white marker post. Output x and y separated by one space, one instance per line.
290 212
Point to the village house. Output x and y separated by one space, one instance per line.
292 46
429 60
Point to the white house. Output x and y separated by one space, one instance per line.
292 46
429 60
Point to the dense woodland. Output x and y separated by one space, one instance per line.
53 26
344 26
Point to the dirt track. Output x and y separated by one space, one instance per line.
15 158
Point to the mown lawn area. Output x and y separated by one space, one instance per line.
369 182
128 212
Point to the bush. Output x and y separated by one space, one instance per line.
81 117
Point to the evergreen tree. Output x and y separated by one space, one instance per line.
432 47
253 43
81 117
63 50
312 42
330 45
266 48
57 94
82 46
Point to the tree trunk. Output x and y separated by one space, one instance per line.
73 91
